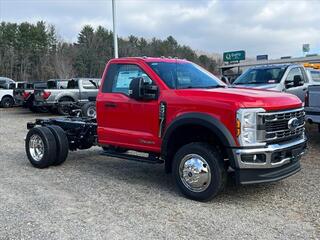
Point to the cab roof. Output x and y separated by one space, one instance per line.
151 59
284 65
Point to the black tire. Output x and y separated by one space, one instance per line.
62 108
62 144
89 110
33 109
53 110
7 102
216 167
49 147
43 109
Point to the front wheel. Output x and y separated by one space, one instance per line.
64 105
89 110
7 102
198 171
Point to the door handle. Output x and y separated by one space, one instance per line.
111 104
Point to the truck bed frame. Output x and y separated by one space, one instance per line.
82 134
81 131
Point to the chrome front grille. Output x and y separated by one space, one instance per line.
275 125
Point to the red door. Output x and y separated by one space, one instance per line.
123 121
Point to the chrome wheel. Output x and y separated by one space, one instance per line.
36 147
91 112
195 173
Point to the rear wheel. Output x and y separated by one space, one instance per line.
41 147
62 144
7 102
89 110
43 109
198 171
63 105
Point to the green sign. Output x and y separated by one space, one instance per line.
235 56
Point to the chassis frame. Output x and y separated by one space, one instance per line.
80 131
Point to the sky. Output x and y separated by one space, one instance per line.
274 27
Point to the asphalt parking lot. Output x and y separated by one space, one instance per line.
95 197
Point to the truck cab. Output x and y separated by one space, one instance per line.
176 113
290 78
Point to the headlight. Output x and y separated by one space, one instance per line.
247 122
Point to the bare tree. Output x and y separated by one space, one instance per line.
63 61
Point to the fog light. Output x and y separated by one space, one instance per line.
253 158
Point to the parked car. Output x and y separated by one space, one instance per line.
290 78
22 92
6 92
178 114
313 76
24 95
63 93
312 105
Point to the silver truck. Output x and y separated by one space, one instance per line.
313 75
61 93
312 105
290 78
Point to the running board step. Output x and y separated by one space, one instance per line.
150 159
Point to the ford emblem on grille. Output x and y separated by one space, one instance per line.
293 123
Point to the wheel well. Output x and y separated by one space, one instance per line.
7 96
66 98
188 133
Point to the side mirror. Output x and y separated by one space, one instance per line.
135 88
139 90
297 81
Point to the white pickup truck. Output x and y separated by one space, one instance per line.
6 92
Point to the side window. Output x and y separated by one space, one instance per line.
119 77
2 84
12 86
293 72
72 84
89 84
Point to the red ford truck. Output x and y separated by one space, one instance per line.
171 111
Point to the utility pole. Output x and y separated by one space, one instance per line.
115 36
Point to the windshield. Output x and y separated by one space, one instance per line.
261 76
185 75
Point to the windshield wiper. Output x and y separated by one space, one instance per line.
206 87
215 86
243 83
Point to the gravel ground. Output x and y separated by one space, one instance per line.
95 197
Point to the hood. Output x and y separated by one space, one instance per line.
244 97
258 86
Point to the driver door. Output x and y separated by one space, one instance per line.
123 121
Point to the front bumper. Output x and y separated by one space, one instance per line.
275 162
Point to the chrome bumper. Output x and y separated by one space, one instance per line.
289 151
